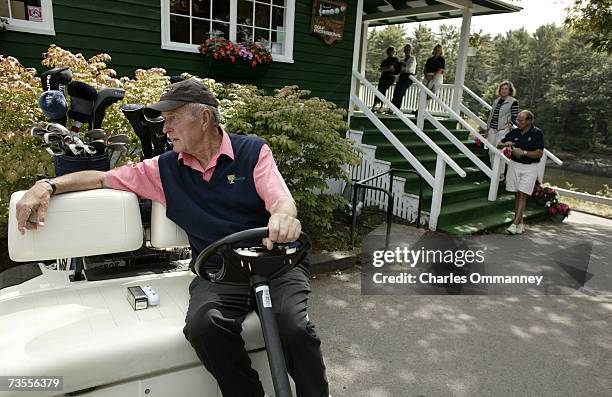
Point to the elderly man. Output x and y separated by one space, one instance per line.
526 144
193 182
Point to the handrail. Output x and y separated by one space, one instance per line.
467 152
394 141
547 152
477 98
474 117
551 156
461 121
412 126
389 192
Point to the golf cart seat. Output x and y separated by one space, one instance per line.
87 331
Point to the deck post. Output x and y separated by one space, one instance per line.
356 50
461 59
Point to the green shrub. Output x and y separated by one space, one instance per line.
303 133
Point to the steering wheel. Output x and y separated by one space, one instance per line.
240 262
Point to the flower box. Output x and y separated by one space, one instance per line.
239 69
242 61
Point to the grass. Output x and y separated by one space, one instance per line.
587 206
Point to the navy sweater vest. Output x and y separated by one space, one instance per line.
227 204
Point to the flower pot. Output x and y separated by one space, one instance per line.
239 70
558 218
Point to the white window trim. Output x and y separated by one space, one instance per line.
44 27
169 45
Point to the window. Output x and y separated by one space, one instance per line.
32 16
187 23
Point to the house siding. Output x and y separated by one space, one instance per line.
130 32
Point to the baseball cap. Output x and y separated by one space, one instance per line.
53 104
180 93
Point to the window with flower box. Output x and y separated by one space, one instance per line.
31 16
188 23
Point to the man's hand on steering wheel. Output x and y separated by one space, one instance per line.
283 229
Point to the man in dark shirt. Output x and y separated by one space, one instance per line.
388 68
527 145
434 70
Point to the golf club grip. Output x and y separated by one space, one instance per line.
274 347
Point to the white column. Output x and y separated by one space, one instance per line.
364 48
356 48
461 59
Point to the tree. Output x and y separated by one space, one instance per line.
579 98
448 36
378 42
422 41
592 19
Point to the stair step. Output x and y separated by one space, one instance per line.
491 221
465 211
428 161
417 148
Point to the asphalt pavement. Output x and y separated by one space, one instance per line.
552 339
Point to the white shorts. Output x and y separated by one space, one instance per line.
435 83
521 177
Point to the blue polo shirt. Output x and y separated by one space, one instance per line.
531 140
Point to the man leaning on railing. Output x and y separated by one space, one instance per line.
526 144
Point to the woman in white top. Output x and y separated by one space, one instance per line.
502 118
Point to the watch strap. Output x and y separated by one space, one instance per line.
53 185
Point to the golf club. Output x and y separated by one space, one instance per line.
53 105
96 134
134 114
119 138
106 97
56 79
158 137
38 131
99 146
82 99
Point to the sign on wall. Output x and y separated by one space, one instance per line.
327 20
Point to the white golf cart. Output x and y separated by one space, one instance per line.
87 331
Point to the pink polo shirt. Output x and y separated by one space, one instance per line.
144 180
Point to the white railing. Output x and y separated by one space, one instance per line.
437 180
405 205
410 102
493 173
545 156
584 196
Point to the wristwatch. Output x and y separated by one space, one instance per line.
53 185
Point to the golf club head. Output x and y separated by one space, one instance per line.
115 151
134 114
96 134
53 137
38 131
106 97
82 99
119 138
56 79
57 128
55 151
53 105
99 146
158 137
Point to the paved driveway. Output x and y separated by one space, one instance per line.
497 342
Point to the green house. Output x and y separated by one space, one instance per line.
460 194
